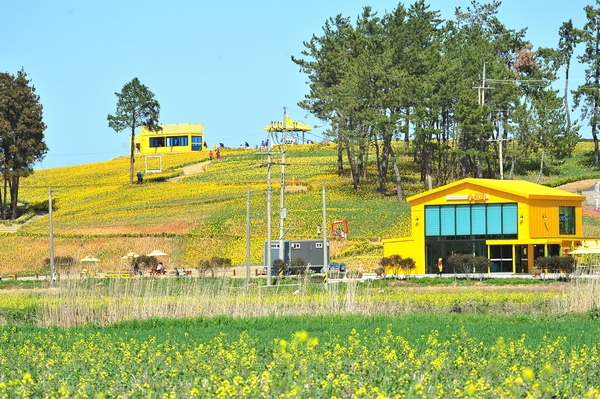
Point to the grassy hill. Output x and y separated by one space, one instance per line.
98 213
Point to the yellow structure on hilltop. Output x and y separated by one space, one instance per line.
508 221
180 137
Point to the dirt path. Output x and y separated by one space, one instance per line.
190 170
579 186
585 187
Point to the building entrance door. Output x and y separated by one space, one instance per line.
501 257
521 262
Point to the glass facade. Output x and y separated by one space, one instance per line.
464 229
482 221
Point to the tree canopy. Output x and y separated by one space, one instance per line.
21 136
136 106
453 91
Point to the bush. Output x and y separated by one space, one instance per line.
218 262
61 263
565 264
543 262
145 262
395 264
466 264
298 266
279 265
203 264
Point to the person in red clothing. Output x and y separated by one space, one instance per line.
218 155
210 155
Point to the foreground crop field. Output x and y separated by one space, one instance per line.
192 337
444 356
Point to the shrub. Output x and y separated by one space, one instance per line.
466 264
218 262
460 263
481 264
565 264
543 262
279 265
145 262
298 265
408 265
61 263
395 264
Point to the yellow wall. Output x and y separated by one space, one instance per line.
538 206
181 129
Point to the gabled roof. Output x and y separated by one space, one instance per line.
518 188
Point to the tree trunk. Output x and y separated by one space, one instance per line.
3 199
340 158
541 168
429 183
595 136
355 166
511 175
568 114
14 195
132 159
383 165
400 190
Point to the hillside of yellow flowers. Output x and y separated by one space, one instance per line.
98 213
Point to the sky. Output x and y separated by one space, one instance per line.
225 64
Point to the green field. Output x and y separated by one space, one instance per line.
450 356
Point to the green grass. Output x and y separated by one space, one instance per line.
343 356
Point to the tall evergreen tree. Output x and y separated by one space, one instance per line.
21 136
136 106
588 94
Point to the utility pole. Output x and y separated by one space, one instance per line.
282 209
269 260
248 237
52 273
325 249
500 157
481 100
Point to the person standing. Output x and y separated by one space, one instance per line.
440 266
218 153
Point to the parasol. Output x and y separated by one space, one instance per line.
89 259
157 252
130 255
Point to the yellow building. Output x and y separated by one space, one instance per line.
510 222
180 137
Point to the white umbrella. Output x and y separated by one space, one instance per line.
579 251
130 255
590 250
89 259
156 252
